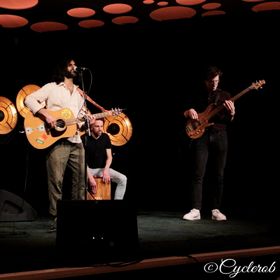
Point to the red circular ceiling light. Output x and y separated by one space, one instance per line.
170 13
91 23
81 12
211 6
117 8
252 1
213 13
162 3
46 26
125 20
18 4
12 21
147 2
267 6
190 2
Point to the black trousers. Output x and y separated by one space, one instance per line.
214 142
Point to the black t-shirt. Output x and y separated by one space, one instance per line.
96 150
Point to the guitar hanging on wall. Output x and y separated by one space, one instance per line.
196 127
40 136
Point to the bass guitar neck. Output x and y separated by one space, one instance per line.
195 128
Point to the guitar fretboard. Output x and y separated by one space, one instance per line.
234 98
97 116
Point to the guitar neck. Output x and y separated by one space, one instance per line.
71 121
233 99
102 115
97 116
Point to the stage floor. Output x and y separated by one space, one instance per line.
30 245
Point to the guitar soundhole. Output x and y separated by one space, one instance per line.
60 125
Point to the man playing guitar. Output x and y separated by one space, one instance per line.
68 151
209 138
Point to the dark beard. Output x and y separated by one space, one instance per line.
70 74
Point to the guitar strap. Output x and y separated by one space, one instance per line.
211 97
84 95
214 97
217 98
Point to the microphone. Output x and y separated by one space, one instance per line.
88 128
87 125
79 69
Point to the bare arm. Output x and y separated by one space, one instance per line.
47 117
106 172
92 186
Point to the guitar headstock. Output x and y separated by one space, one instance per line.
258 84
116 111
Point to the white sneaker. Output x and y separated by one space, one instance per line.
193 215
218 216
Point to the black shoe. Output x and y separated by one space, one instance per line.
52 227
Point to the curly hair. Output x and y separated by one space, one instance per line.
61 70
211 72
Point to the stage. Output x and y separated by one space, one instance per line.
167 245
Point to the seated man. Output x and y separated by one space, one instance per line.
99 160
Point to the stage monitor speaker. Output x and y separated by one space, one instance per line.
14 208
93 231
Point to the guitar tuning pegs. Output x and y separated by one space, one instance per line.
116 111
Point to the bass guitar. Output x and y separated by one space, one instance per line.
41 136
196 127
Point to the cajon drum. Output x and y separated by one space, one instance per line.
103 191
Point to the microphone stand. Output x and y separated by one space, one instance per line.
88 133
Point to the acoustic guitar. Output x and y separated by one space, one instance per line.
41 136
195 128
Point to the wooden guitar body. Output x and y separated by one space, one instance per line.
41 137
196 128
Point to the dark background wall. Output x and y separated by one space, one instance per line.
150 71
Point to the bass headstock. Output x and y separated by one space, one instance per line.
258 84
